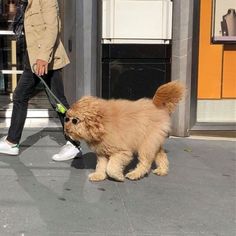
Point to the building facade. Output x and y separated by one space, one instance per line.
124 48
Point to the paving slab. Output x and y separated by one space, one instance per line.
42 197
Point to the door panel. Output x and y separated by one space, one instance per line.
216 72
210 58
229 72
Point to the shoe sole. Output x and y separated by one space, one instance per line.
68 158
9 153
64 159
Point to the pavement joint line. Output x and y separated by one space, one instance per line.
126 210
210 138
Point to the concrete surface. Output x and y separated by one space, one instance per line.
42 197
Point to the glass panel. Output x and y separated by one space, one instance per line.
224 21
11 61
7 13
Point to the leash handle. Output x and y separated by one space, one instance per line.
59 106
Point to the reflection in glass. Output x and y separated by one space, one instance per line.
12 60
228 23
224 21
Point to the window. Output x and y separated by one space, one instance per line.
224 21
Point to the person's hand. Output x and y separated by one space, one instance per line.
41 67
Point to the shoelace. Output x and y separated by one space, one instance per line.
16 146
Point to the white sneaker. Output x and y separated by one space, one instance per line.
67 152
7 148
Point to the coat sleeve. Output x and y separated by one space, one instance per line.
50 14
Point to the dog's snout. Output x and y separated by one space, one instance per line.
66 130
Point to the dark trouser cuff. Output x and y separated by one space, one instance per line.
11 140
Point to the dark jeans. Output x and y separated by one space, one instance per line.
24 91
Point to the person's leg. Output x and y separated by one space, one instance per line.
21 96
55 83
72 148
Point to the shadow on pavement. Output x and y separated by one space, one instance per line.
33 139
87 161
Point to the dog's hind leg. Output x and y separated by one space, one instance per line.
142 168
146 156
117 163
100 172
162 163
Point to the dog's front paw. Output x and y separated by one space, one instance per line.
160 171
96 176
117 177
133 175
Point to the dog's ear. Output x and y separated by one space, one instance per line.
94 125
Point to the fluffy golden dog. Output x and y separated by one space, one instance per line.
117 129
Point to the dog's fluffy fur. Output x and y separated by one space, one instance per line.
117 129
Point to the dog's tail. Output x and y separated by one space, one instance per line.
168 95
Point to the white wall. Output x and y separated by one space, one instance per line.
136 21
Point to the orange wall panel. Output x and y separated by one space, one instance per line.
229 72
210 57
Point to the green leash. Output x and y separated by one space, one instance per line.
59 106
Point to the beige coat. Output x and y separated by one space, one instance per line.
42 31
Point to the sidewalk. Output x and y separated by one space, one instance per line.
42 197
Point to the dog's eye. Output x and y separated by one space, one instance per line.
66 119
75 121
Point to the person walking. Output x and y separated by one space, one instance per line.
39 23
